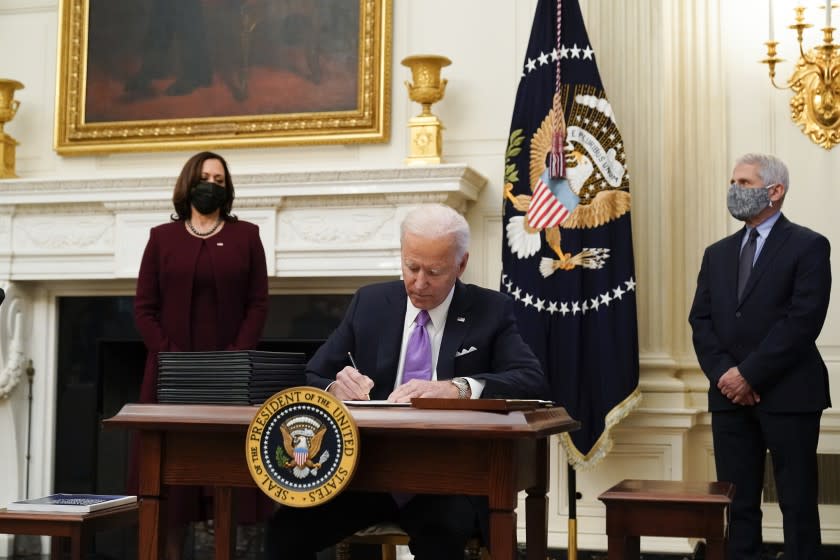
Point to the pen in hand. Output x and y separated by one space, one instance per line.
353 363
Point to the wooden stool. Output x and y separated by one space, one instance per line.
666 508
389 536
79 528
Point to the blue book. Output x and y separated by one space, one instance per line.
71 503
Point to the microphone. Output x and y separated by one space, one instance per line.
2 295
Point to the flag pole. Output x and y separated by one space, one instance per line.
571 479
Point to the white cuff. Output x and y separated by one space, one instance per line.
476 387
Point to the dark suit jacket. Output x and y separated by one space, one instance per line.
164 287
771 334
372 330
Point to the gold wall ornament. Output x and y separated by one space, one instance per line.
815 81
426 138
8 107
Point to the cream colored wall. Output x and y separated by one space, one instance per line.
689 97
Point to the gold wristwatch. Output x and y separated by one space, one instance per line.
464 389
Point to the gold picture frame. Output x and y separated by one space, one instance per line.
275 73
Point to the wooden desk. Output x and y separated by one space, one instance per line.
666 508
79 528
486 453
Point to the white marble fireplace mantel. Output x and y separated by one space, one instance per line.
312 224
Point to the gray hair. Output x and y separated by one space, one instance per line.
771 169
433 221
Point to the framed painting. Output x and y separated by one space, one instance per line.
144 75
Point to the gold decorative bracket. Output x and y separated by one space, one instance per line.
815 83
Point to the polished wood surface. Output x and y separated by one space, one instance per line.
666 508
487 453
671 491
385 419
78 528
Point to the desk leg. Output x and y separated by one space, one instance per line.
502 532
536 507
149 534
79 543
57 547
715 549
622 547
502 498
223 522
152 528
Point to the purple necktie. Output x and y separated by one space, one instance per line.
417 365
418 351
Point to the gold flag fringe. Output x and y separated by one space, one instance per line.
580 461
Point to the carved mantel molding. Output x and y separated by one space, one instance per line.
313 224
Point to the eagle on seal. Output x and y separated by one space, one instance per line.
300 447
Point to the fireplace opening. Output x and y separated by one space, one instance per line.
100 367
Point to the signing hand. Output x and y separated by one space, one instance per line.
431 389
350 385
735 388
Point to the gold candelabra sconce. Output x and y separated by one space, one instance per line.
8 108
426 142
815 81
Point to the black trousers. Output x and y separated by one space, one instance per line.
741 440
438 526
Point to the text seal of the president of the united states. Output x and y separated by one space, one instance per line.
302 447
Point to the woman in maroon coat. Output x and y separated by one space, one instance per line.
202 286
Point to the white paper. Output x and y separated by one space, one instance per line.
376 403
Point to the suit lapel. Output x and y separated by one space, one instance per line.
775 240
457 324
392 319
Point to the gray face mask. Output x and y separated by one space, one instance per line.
745 203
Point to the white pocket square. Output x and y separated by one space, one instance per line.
465 351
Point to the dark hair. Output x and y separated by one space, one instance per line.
189 177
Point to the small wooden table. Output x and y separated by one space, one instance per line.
666 508
79 528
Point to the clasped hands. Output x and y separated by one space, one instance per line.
350 385
735 388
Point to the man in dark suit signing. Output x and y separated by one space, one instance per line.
428 335
762 296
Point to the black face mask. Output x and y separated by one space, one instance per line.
207 197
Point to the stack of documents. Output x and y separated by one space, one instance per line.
235 377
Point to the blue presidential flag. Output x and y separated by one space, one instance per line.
567 250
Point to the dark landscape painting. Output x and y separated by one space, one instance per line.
154 60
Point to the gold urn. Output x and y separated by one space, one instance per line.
8 107
426 141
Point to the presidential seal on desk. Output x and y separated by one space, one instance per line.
302 447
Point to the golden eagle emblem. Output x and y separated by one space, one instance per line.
593 191
302 437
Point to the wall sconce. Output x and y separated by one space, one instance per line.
815 81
